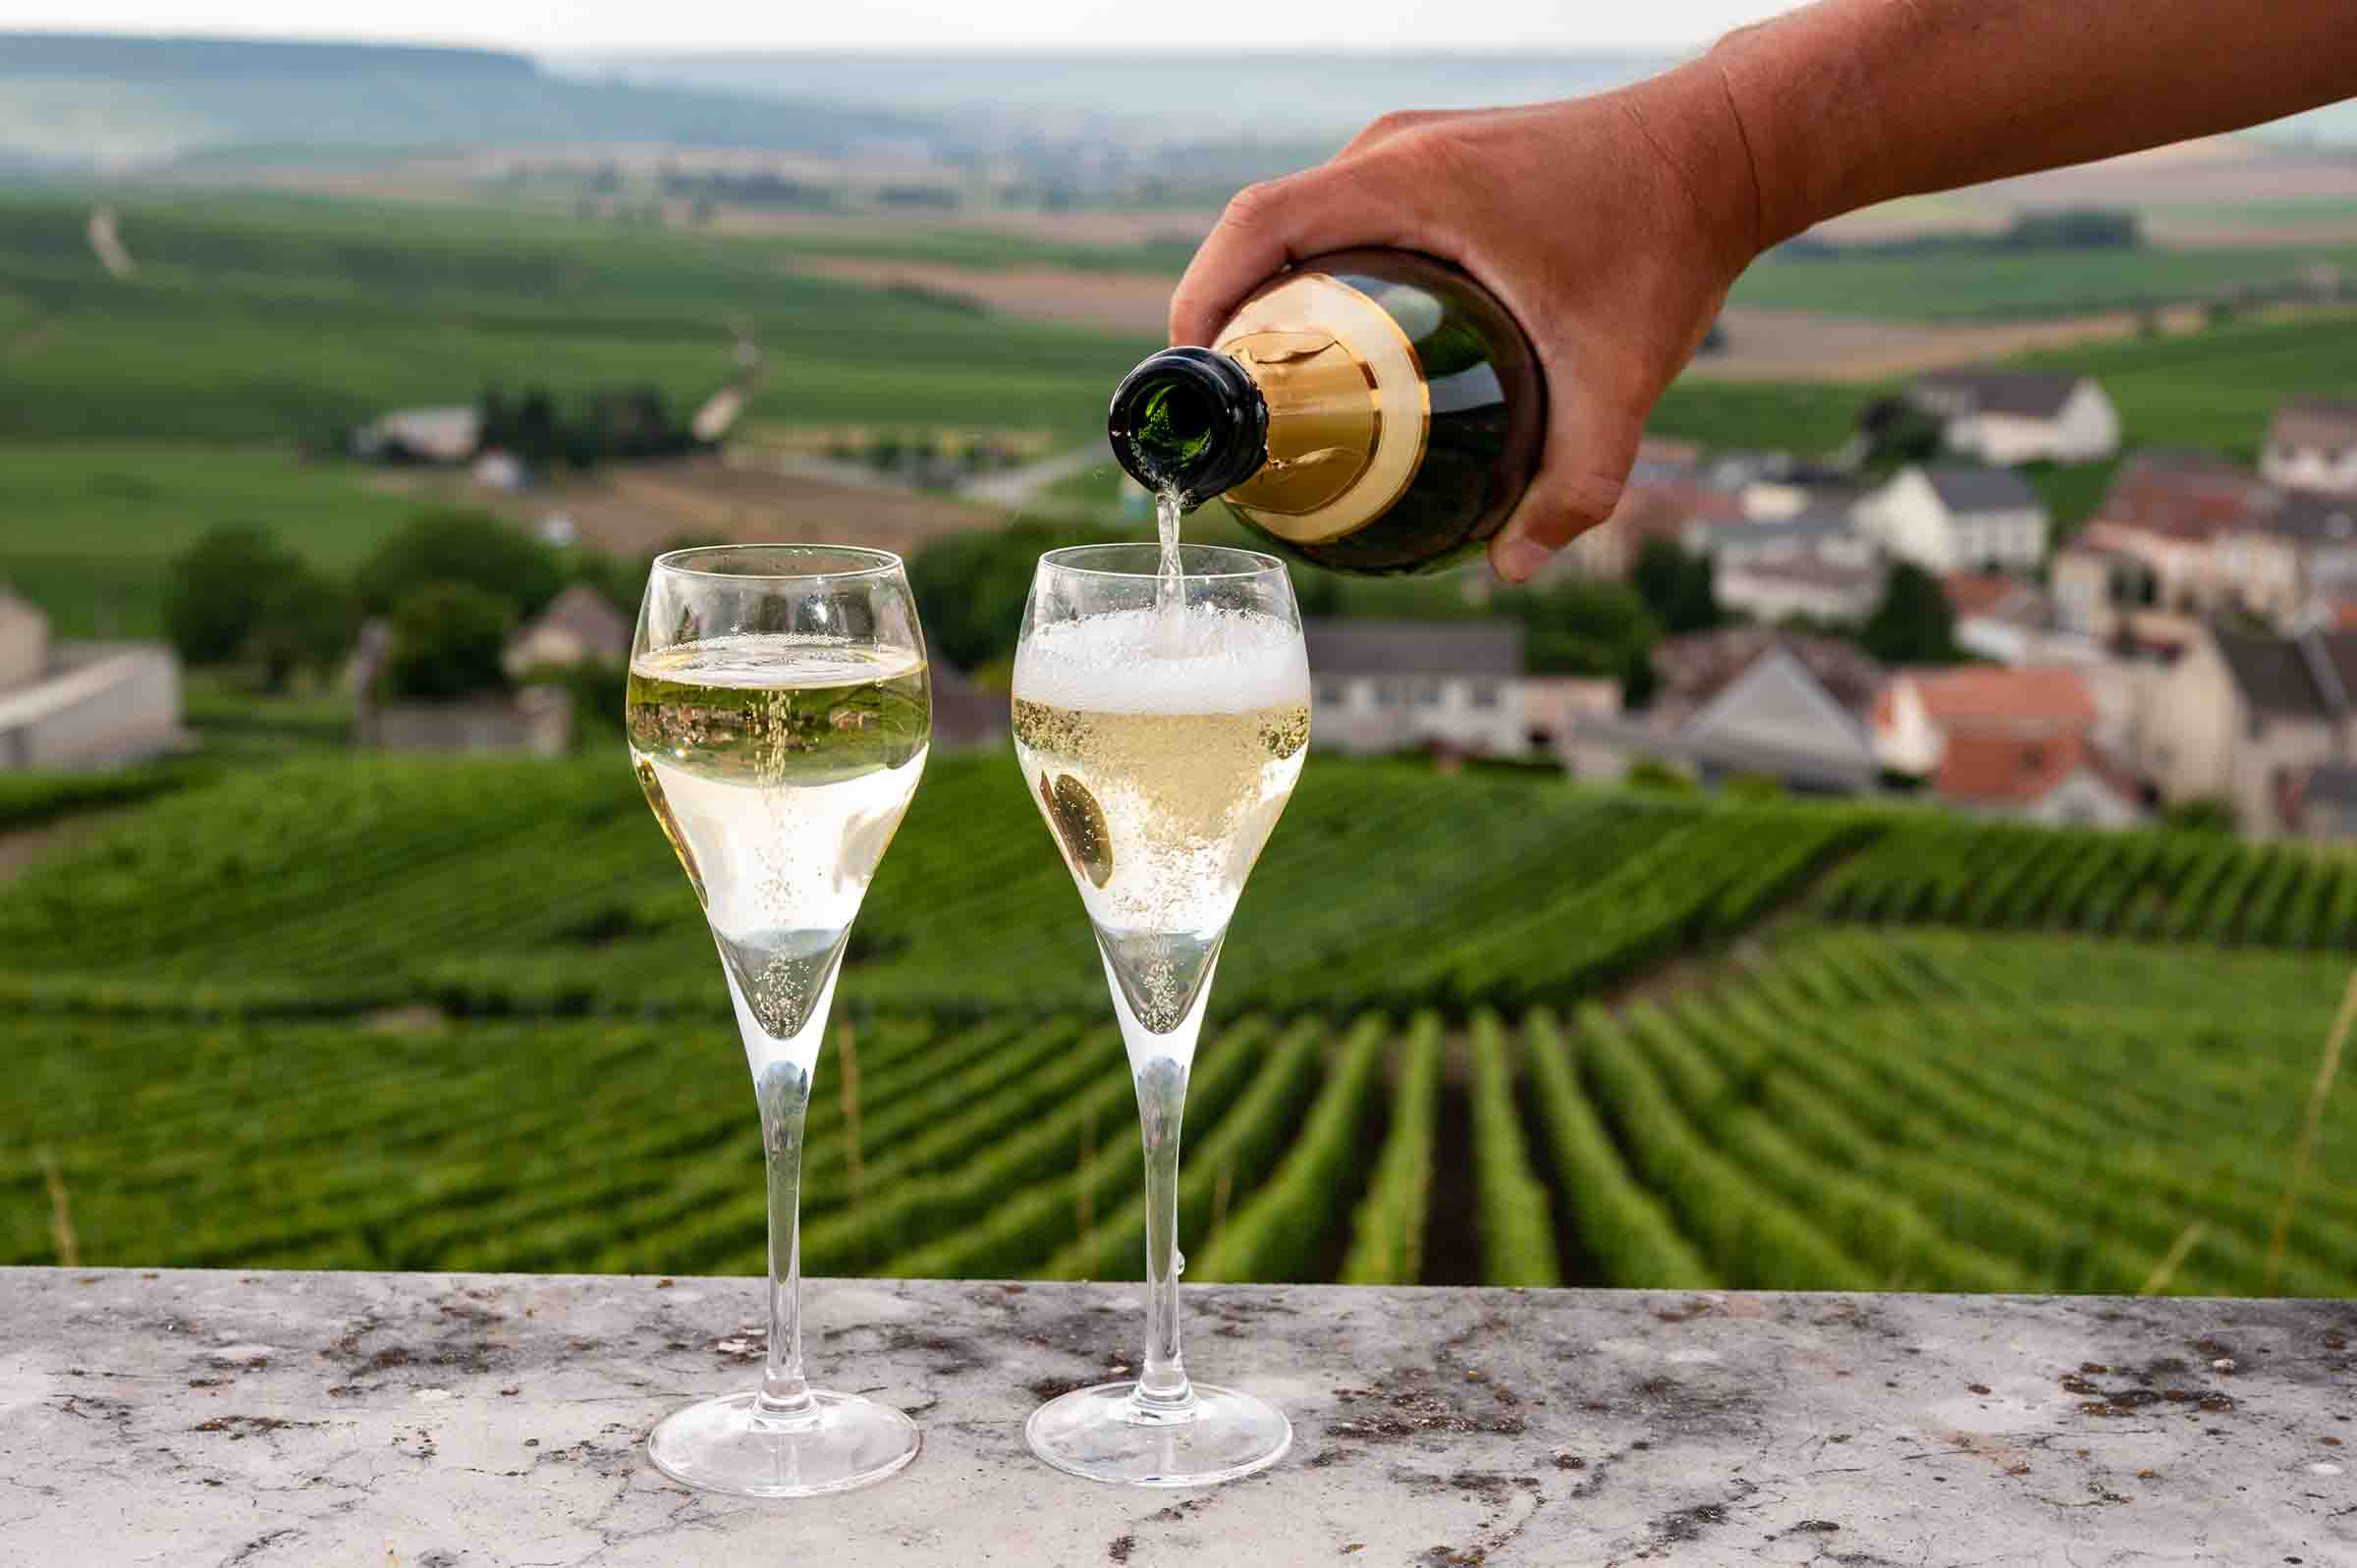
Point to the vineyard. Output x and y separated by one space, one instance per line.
392 1014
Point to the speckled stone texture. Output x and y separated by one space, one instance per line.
418 1421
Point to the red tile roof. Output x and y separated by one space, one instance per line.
1974 593
1997 699
2188 496
2005 770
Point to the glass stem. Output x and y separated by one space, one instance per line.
785 1403
1163 1390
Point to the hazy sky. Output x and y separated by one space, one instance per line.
555 26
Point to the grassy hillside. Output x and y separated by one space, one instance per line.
93 526
462 1015
269 320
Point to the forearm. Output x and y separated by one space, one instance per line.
1850 102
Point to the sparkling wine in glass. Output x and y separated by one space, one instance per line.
779 715
1161 741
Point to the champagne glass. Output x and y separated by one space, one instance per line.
779 714
1161 733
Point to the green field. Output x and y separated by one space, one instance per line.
1995 285
269 320
463 1014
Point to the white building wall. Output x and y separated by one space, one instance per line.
104 706
1908 518
2083 800
2311 469
1360 715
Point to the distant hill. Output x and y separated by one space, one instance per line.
98 54
96 102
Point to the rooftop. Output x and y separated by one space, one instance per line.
2305 677
1696 667
2023 393
1482 649
437 1421
1998 770
1997 696
1972 490
2315 423
589 618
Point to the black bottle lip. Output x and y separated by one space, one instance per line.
1218 404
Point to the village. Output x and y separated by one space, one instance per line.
2189 654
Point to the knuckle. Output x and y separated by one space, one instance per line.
1255 207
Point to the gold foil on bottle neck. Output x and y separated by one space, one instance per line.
1348 410
1323 422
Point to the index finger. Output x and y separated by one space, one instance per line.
1268 226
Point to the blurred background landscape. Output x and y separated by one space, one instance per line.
1906 846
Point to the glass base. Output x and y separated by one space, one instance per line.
1097 1433
716 1445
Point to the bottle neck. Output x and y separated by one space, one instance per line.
1191 421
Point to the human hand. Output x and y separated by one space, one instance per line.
1611 227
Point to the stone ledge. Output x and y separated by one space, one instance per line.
429 1420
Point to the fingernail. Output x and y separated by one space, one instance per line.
1520 560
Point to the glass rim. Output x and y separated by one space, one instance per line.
880 562
1262 566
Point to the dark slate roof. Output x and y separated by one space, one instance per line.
1969 490
1696 667
2334 782
1483 649
2308 519
2307 676
2023 393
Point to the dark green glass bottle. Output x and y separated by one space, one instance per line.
1370 412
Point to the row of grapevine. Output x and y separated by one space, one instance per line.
1386 1230
1286 1230
2175 887
491 889
1516 1225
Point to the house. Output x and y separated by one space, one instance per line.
2064 782
81 704
2239 715
1654 508
2313 446
2015 417
1951 519
445 436
1748 701
1825 538
1553 705
1394 685
966 716
1922 711
2167 510
1822 592
2321 801
2006 618
579 625
2280 562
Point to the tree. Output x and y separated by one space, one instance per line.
218 591
1679 587
2203 814
239 594
970 589
1899 433
448 641
307 622
452 544
1914 623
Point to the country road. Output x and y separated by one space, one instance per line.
1016 488
108 243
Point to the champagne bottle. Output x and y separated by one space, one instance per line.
1369 412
